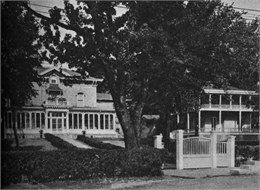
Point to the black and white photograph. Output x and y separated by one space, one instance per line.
148 95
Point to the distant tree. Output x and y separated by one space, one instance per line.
19 57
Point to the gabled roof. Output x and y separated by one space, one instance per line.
43 71
228 90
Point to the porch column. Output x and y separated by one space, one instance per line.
188 122
220 119
178 118
83 121
67 120
240 101
209 100
51 121
240 120
220 100
199 122
30 120
46 119
230 101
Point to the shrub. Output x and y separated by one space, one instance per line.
96 143
58 142
244 152
78 164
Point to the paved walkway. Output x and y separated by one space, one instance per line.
75 142
116 142
197 173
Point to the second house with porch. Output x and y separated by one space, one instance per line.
223 111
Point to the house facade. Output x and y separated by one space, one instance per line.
223 111
60 108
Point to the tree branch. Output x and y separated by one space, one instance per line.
78 30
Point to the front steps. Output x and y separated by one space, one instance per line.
250 167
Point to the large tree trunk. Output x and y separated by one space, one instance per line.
131 125
14 129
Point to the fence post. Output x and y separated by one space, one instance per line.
179 149
231 151
213 137
158 142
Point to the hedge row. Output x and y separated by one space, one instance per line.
96 143
245 152
58 142
78 164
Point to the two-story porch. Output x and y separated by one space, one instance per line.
224 111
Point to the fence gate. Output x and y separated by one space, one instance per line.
201 152
196 152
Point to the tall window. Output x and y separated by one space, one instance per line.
111 121
80 99
18 120
106 122
96 121
75 116
23 120
38 120
42 120
33 120
91 121
70 121
27 120
86 121
80 121
101 121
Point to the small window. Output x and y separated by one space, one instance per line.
80 99
53 80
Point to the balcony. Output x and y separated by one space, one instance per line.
56 102
225 107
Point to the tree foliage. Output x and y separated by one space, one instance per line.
19 57
19 53
160 52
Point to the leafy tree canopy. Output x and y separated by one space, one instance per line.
156 51
19 53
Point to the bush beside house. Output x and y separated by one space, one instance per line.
245 152
58 142
78 164
96 143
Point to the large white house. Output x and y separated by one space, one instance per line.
63 109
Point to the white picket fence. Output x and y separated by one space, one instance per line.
201 152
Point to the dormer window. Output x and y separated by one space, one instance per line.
53 80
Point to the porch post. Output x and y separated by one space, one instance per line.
240 121
179 149
178 118
83 121
231 151
188 122
67 121
220 119
199 121
46 120
213 137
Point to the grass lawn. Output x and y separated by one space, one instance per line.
27 144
